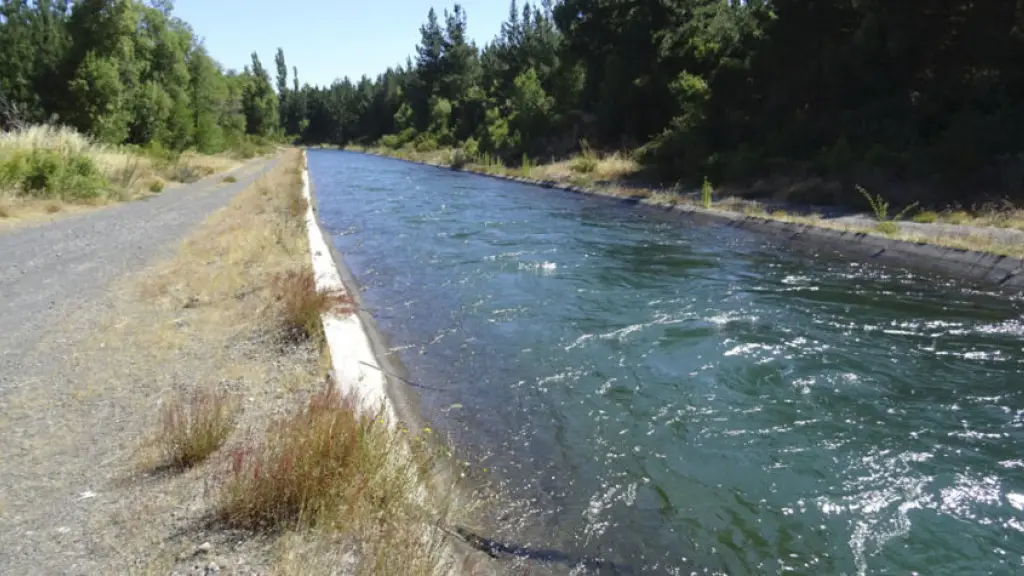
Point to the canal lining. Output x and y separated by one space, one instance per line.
364 367
1005 272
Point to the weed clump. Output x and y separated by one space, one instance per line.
229 179
301 305
586 162
880 207
194 427
327 466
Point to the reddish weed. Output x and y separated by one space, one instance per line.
327 465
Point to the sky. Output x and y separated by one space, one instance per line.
326 39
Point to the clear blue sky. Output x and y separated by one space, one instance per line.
326 39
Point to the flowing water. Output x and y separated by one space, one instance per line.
674 397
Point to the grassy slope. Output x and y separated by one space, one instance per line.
123 173
607 175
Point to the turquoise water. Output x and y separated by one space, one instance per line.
672 397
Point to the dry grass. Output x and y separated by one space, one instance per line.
590 168
129 173
195 426
326 466
323 486
301 305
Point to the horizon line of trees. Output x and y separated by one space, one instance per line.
916 91
913 91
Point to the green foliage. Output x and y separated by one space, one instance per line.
706 191
45 173
425 143
888 227
586 162
526 166
880 207
123 71
471 148
926 217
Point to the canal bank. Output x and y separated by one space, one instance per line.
979 266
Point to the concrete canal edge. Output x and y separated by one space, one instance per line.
363 368
353 361
1005 272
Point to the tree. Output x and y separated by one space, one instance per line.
259 101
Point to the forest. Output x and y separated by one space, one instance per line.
921 95
126 72
917 92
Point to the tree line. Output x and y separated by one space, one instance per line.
126 72
915 90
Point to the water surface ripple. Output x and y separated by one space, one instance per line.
679 398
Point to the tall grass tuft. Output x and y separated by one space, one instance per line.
526 167
327 466
301 305
706 191
586 162
193 427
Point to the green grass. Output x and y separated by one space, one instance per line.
926 217
229 179
706 191
888 228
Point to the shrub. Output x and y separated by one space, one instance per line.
229 179
301 305
586 162
472 148
326 466
457 158
45 173
194 427
926 217
156 186
426 143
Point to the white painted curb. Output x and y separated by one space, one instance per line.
356 370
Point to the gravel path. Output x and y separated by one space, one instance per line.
47 270
53 284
